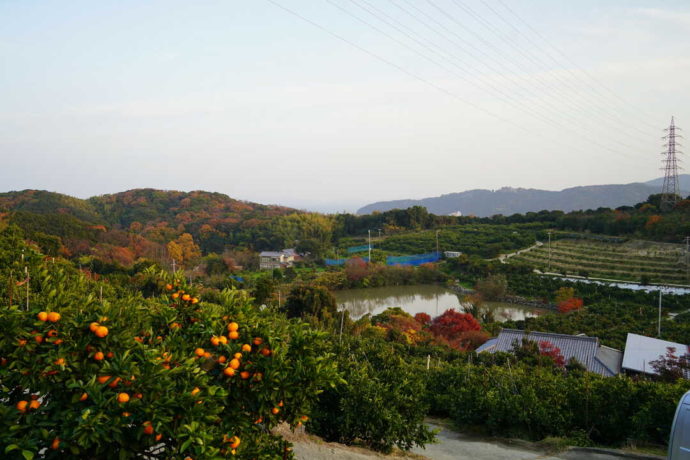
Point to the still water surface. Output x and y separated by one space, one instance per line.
430 299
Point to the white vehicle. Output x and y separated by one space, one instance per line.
679 444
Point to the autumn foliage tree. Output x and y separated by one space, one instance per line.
184 250
451 324
571 304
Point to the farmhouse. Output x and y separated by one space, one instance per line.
268 260
587 351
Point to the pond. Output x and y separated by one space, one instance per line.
430 299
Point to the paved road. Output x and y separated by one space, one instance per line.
458 446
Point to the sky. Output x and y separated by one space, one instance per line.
329 105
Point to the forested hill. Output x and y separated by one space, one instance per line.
508 201
137 223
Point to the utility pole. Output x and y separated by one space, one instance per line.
659 328
670 191
687 258
369 246
173 266
549 232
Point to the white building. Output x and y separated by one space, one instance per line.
641 350
268 260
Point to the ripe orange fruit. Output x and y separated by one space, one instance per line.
186 297
233 335
234 442
38 338
238 355
275 411
234 363
199 352
246 347
148 428
215 341
60 362
126 414
101 331
174 295
123 398
232 327
207 355
222 359
57 342
266 352
258 341
304 418
195 300
229 371
259 420
110 354
53 317
280 404
52 333
245 375
83 397
103 378
168 287
114 383
98 356
138 395
159 436
223 340
34 404
42 316
195 391
55 445
21 342
21 406
93 326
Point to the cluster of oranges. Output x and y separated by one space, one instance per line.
52 317
180 294
98 330
51 334
23 406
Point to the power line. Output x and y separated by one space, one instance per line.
399 26
547 84
416 76
633 110
528 53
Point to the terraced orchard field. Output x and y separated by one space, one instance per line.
632 260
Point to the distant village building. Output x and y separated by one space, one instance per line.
641 350
268 260
451 254
587 351
456 214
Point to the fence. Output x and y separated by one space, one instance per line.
354 249
332 262
414 260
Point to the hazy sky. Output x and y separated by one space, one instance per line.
371 100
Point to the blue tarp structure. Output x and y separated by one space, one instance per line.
332 262
353 249
414 260
237 278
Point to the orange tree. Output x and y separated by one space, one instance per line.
383 402
166 377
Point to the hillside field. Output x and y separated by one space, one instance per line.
629 260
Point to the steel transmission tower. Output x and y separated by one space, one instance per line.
670 192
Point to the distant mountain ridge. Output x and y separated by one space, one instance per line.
508 200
